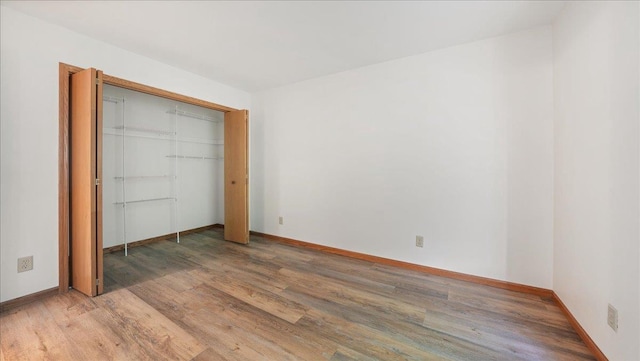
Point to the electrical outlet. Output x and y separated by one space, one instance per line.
25 264
281 220
612 318
419 241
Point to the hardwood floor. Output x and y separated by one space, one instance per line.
207 299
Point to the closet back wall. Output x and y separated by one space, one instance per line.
162 168
31 50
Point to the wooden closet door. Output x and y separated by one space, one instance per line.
236 176
86 191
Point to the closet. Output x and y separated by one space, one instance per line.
147 164
162 167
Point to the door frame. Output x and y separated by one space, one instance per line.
65 71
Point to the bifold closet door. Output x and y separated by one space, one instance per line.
236 176
85 179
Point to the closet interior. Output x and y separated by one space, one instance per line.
162 167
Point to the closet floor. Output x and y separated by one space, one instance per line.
207 299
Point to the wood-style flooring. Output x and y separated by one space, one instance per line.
207 299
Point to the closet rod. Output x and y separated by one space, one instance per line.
185 113
191 157
111 99
146 200
118 132
147 130
144 177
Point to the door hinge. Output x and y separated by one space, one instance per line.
97 281
97 81
97 181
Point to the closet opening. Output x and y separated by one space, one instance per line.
140 164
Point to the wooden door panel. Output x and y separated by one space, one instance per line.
83 190
98 210
236 181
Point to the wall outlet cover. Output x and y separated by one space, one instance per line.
25 264
419 241
612 318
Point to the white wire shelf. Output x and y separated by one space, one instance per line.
178 156
111 99
144 177
147 200
144 130
200 140
187 114
118 132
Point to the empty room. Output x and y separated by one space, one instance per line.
320 180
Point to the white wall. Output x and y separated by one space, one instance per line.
30 51
596 170
455 145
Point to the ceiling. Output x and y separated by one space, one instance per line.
259 45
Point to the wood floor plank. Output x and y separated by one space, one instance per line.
152 329
506 324
262 299
265 277
101 337
210 355
353 297
273 333
364 339
418 340
231 341
30 333
346 354
256 321
207 299
516 347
